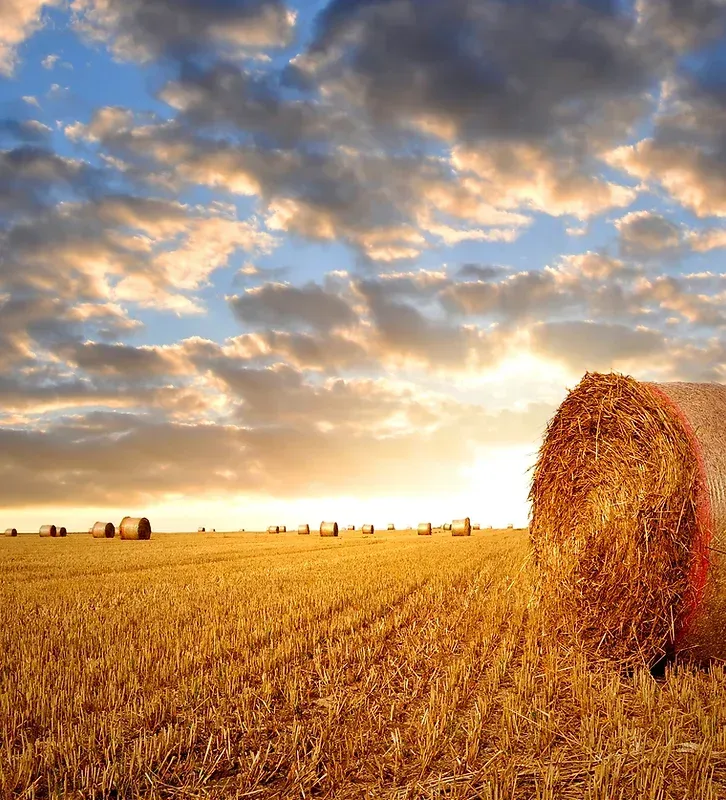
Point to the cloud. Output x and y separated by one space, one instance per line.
284 307
19 19
644 234
50 61
145 30
596 346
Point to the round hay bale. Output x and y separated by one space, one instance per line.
368 529
48 530
62 531
328 528
201 529
283 528
303 529
103 530
424 529
391 527
273 529
476 526
11 531
628 519
135 528
461 527
351 527
447 526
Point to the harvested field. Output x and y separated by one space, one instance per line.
395 667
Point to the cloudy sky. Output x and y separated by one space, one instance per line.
267 262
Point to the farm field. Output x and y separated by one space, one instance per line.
393 666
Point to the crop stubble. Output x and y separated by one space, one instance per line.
400 667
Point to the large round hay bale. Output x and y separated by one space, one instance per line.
11 531
48 530
103 530
283 528
368 529
328 528
134 528
424 529
476 526
273 529
391 527
629 519
461 527
62 531
303 529
201 529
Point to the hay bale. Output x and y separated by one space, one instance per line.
391 527
283 528
273 529
62 531
328 528
447 526
461 527
201 529
135 528
510 527
11 531
628 519
48 530
424 529
351 527
476 526
103 530
368 529
303 529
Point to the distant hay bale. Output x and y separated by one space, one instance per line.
368 529
273 529
328 528
510 527
283 528
62 531
351 527
447 526
391 527
628 520
48 530
461 527
135 528
11 531
201 529
303 529
476 526
103 530
424 529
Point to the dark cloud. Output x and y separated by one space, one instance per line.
287 307
148 29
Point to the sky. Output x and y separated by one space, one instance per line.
270 263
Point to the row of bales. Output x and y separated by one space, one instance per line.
129 528
459 527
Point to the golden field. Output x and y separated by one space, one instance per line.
393 666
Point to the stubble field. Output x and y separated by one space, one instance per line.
394 666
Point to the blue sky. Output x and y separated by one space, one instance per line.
265 262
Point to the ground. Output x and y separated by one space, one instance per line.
390 666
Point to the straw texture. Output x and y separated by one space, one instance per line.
424 529
629 519
461 527
11 531
328 528
134 528
103 530
48 530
